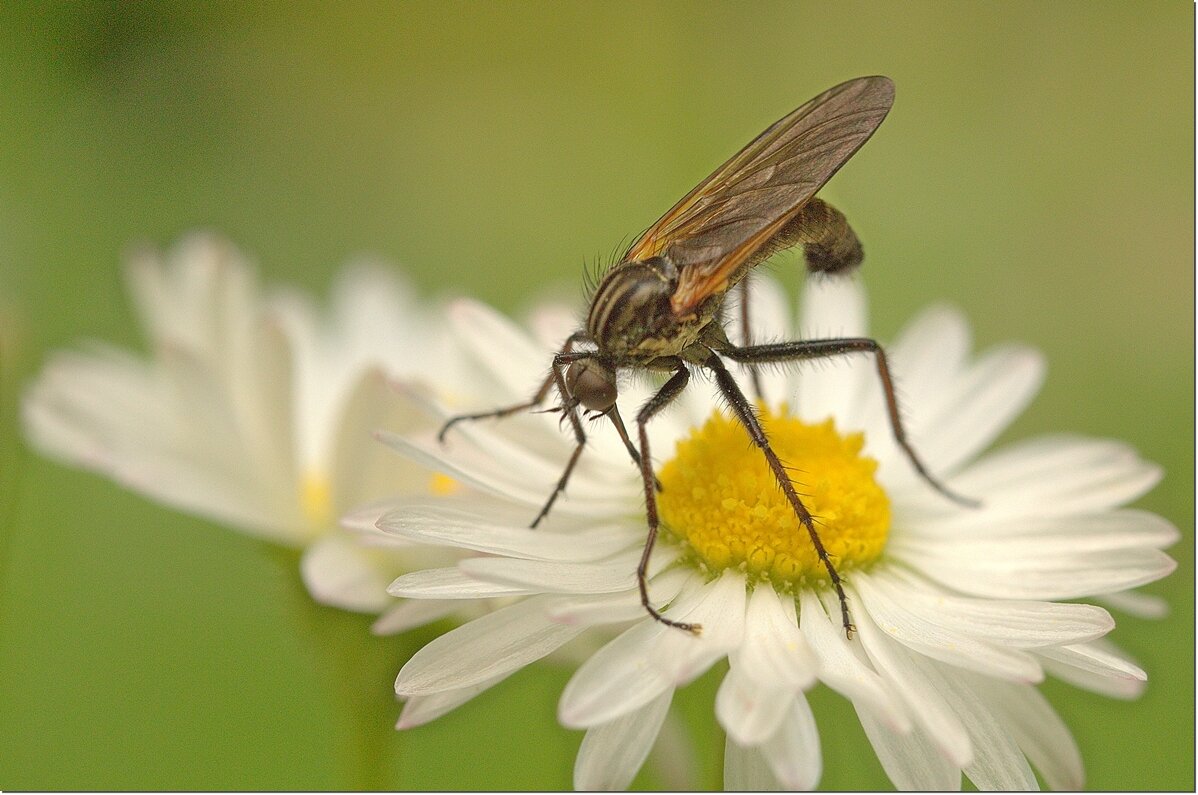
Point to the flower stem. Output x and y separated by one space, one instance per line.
359 668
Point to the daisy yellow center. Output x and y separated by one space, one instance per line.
721 500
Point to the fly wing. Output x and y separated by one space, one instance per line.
720 224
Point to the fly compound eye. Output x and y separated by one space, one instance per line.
592 384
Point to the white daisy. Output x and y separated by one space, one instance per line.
254 410
960 611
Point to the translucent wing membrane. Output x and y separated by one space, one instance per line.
717 227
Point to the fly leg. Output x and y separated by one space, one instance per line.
570 407
614 415
664 396
507 411
746 336
744 412
821 349
566 356
829 246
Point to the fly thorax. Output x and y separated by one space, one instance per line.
631 308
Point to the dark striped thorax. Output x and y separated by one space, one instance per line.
630 318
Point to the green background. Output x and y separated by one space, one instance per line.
1036 170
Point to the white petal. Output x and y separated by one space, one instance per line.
444 527
182 301
610 576
841 670
774 651
459 506
1098 659
927 358
419 710
361 469
534 448
366 517
619 607
1058 475
998 764
1090 532
552 323
924 698
449 583
793 753
197 391
1037 728
1020 571
769 316
927 355
910 760
833 307
376 321
109 413
1111 686
772 663
613 752
412 613
1008 623
673 757
940 642
270 398
745 770
150 290
214 435
978 405
485 473
501 347
749 711
719 608
644 660
616 680
491 646
1136 603
341 573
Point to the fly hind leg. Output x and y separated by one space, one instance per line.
821 349
744 412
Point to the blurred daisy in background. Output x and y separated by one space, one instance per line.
960 611
256 410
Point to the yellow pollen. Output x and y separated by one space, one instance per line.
443 485
721 500
316 499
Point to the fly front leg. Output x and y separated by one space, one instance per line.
507 411
748 418
664 396
570 407
822 349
